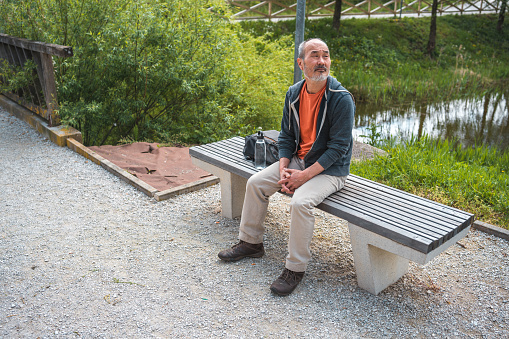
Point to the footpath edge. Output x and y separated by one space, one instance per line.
491 229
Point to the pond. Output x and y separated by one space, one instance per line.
472 121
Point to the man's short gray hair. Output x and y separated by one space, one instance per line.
302 46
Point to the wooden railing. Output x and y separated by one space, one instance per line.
286 9
40 94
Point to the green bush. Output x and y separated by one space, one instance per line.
156 70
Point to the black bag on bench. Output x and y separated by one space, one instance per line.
271 144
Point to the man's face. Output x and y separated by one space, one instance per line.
316 62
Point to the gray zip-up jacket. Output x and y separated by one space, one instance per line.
333 145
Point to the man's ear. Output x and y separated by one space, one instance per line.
300 63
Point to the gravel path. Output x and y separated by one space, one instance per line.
85 255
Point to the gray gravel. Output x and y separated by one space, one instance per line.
85 255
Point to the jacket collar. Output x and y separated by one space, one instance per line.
332 84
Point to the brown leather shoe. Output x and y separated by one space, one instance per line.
286 283
241 250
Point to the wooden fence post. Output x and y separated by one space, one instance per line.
47 78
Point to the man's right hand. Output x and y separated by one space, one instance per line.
284 174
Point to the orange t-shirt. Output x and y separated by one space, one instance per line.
309 107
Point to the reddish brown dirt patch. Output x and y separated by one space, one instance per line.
160 167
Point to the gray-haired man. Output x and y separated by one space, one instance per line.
315 147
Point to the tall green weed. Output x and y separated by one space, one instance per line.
473 179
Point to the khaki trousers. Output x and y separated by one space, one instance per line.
262 185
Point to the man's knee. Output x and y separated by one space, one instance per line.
263 178
255 180
301 202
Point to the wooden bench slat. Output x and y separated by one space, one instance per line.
361 219
239 167
404 207
381 215
415 225
383 190
452 215
386 211
236 144
229 152
422 201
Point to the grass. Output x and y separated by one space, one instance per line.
471 179
384 60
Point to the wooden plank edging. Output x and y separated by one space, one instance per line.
186 188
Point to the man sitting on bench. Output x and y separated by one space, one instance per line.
315 147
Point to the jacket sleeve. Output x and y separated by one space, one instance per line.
286 140
340 133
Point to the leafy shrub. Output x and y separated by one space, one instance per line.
155 70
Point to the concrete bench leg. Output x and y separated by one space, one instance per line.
380 261
233 189
376 268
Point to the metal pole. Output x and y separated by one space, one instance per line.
299 37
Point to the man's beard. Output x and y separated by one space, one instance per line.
319 77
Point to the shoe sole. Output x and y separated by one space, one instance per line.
255 255
279 293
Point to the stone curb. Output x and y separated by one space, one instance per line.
491 229
57 135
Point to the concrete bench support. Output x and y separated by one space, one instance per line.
380 261
376 268
233 189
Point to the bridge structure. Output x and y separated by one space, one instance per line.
287 9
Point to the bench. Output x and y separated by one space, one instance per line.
388 227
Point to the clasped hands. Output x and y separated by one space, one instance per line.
291 179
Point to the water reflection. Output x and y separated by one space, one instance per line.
484 120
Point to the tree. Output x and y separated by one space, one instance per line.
433 29
336 19
501 15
